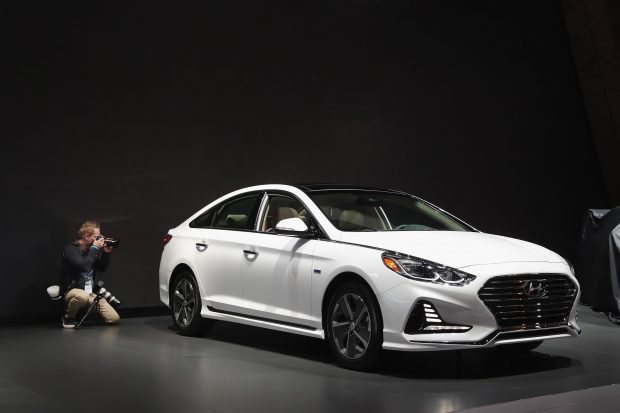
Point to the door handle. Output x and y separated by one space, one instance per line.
250 252
201 246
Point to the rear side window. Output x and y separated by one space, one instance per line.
203 221
238 213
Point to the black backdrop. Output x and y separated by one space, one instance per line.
138 115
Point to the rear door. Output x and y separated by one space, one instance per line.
218 249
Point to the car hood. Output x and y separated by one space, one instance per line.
452 248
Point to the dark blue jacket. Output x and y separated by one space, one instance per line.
76 261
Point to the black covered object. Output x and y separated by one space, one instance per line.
598 262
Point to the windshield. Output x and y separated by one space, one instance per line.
382 211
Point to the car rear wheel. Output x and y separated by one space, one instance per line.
353 326
186 306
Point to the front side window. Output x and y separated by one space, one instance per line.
238 213
382 211
281 207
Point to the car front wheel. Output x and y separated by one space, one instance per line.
353 326
186 306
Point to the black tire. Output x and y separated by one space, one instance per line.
353 326
185 306
519 348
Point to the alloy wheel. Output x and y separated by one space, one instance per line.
184 303
351 327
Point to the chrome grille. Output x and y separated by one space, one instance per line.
508 299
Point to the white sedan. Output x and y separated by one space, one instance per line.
364 269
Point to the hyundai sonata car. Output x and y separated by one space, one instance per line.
365 269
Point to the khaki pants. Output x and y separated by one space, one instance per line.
77 298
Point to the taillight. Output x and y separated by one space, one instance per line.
167 239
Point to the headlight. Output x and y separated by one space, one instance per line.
423 270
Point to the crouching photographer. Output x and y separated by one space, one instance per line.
82 260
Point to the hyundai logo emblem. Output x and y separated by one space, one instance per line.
535 289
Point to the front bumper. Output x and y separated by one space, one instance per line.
463 306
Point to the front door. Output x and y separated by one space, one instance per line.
276 271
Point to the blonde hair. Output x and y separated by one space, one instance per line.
87 229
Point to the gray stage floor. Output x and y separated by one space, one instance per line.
143 365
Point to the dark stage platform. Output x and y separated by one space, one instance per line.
143 365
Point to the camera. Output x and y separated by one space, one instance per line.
102 292
109 241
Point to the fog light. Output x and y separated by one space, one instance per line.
425 319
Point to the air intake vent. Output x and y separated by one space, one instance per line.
529 301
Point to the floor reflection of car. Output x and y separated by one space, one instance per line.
365 269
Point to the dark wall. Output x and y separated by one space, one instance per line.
137 116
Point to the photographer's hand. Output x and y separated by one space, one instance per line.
107 249
99 243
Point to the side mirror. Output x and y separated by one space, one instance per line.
294 226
